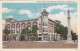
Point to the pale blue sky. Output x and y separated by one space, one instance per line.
33 7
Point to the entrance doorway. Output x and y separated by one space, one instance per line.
45 37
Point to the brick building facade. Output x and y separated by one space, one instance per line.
45 25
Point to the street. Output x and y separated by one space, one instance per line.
23 44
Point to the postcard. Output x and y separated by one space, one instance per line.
38 25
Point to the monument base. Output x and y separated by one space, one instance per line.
69 42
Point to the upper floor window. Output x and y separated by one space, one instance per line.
45 30
44 24
8 26
18 28
28 24
22 25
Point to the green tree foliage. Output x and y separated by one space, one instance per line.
74 36
34 31
31 34
23 34
5 31
60 29
26 32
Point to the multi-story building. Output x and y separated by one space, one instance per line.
45 25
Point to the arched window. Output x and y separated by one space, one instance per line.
18 28
13 28
28 24
34 23
8 26
22 25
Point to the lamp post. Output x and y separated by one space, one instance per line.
69 36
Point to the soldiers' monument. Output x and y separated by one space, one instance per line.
69 36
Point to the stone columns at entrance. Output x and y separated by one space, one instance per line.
69 36
17 37
42 37
55 36
50 38
58 37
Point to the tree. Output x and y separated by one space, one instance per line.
28 28
34 31
74 36
11 32
65 32
26 32
57 27
7 32
60 29
23 33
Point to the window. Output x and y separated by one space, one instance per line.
18 32
18 28
22 25
28 23
45 21
8 26
13 30
44 24
45 30
39 34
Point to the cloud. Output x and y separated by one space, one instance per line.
61 7
6 10
61 17
26 12
36 15
50 8
29 13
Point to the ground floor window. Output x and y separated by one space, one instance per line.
45 37
40 38
39 34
